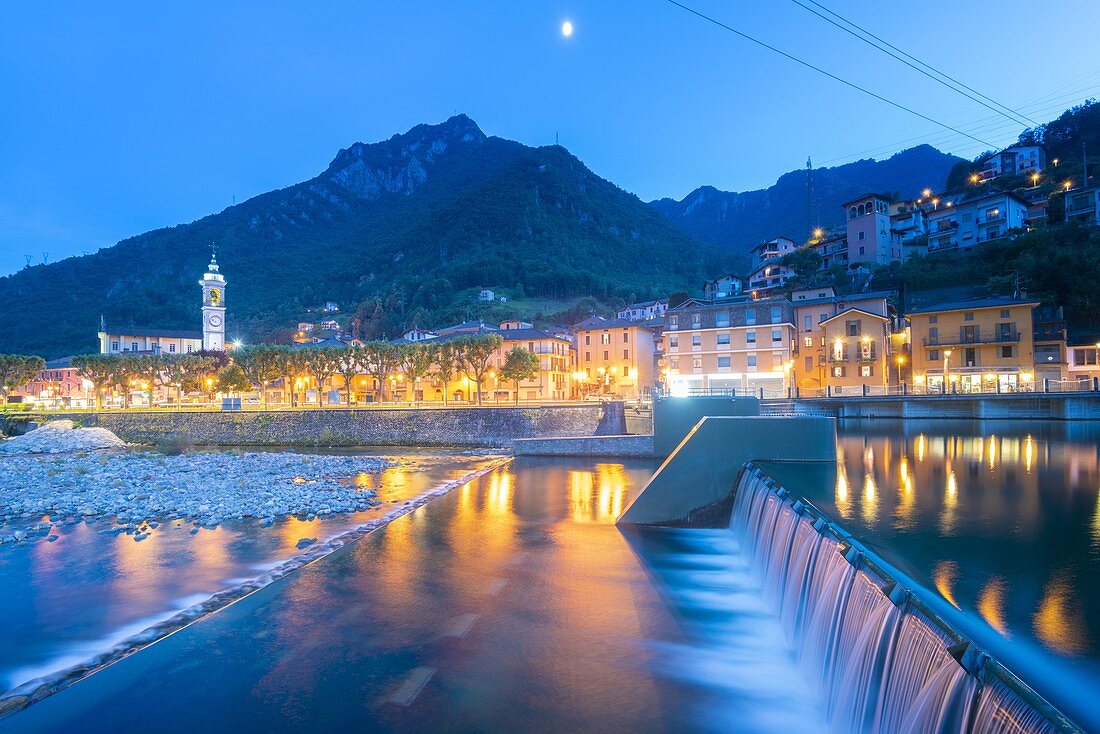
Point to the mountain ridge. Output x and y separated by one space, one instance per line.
738 221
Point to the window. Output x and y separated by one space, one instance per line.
851 328
1008 352
673 321
188 348
821 318
776 314
674 363
674 341
696 321
866 370
809 364
751 360
809 342
172 348
626 354
934 334
838 370
697 364
722 318
968 316
777 359
862 236
696 340
750 338
605 357
626 337
605 338
588 356
724 362
933 355
723 337
133 346
1004 313
861 248
777 336
114 346
933 319
750 316
807 323
587 339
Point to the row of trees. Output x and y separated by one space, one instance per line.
261 366
16 370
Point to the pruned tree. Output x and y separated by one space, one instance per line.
379 361
350 362
519 365
96 369
476 352
321 365
16 370
447 364
416 362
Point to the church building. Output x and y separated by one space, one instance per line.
133 340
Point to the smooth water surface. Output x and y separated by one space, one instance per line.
1001 520
71 599
511 604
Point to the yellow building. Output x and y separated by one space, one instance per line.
816 368
730 344
982 345
858 347
615 357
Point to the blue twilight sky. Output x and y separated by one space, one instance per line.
119 117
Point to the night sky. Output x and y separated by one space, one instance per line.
117 118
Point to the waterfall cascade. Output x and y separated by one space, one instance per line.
880 659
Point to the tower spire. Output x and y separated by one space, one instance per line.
213 257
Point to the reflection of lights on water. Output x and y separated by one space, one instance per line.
944 576
949 515
1096 523
922 447
843 502
992 453
869 506
1058 621
597 496
991 604
500 493
1029 453
869 459
906 503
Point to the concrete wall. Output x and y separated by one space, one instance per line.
476 427
1027 406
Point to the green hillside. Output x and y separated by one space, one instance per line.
397 232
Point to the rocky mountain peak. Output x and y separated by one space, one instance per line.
401 164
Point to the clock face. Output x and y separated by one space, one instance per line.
215 320
215 296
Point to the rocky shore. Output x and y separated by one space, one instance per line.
134 491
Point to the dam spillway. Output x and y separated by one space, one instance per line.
878 657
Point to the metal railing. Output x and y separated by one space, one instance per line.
977 337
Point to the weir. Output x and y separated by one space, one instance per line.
879 657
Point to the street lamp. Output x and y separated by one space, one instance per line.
901 365
946 361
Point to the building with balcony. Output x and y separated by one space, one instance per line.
1016 160
1083 361
722 287
980 345
857 345
615 357
971 222
1083 205
734 344
818 325
58 384
1049 335
832 246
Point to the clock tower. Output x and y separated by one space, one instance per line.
213 306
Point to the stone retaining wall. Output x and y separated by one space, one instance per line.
493 427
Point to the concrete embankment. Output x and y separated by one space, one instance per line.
623 447
1022 406
495 427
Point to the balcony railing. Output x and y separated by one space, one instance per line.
977 337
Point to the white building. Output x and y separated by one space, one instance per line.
644 310
723 287
134 340
486 295
971 222
1016 160
1084 205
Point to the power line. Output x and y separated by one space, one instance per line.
910 56
832 76
1015 116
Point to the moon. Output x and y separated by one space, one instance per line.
567 29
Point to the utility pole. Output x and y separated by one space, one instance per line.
1084 166
810 218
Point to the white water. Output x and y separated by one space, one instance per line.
878 666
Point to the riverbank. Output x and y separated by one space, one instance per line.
488 427
1015 406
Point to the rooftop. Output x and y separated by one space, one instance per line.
976 303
